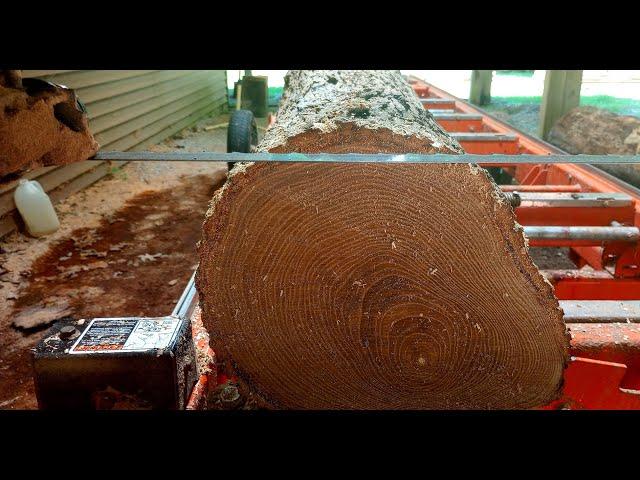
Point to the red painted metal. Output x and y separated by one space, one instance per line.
605 370
589 287
592 256
561 242
595 385
440 105
528 214
461 125
489 147
610 342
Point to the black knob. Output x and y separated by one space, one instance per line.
68 331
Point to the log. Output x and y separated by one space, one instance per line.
41 124
595 131
368 286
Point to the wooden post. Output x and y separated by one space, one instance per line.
561 94
480 87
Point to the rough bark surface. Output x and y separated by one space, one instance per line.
595 131
40 127
335 105
361 286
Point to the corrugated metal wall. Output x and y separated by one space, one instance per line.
128 110
131 109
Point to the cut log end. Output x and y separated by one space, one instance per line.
364 286
354 286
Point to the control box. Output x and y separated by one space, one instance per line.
116 363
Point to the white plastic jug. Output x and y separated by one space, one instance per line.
36 209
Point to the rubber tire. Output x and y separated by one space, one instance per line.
242 133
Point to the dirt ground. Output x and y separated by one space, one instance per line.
126 247
551 258
524 117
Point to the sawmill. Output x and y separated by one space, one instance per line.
361 240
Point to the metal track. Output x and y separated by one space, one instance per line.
188 300
363 158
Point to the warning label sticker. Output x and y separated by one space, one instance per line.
111 335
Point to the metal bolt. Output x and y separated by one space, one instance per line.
68 331
514 199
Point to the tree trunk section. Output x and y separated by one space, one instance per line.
595 131
40 125
369 286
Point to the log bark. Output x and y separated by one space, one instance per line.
595 131
362 286
40 125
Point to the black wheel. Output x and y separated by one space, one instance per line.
242 133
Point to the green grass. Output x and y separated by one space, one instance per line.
275 91
624 106
274 95
515 73
520 100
